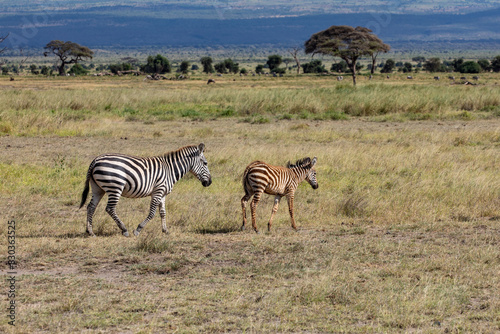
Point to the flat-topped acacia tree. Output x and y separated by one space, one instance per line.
67 52
347 43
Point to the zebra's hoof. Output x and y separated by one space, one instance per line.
125 234
243 228
136 233
165 231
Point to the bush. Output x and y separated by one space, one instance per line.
470 67
158 64
115 68
314 66
78 69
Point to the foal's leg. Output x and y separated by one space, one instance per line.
244 201
253 207
275 208
289 198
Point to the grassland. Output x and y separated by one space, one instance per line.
402 235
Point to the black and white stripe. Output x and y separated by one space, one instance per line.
136 177
260 177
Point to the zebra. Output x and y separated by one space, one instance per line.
260 177
136 177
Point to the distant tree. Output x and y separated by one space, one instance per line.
195 67
314 66
259 69
243 71
485 64
456 64
433 65
294 52
287 61
345 42
45 70
158 64
78 69
67 52
34 69
220 68
418 59
231 66
206 62
340 67
377 48
274 62
495 64
407 67
5 70
388 66
184 67
470 67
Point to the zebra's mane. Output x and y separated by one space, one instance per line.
304 162
192 149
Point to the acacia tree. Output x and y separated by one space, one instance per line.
207 64
67 52
347 43
294 52
376 49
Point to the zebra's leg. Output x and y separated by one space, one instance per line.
253 207
111 210
163 215
290 209
155 201
275 208
244 201
97 195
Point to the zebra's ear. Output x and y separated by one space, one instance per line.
313 162
201 147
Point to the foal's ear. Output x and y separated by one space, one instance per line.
201 147
313 162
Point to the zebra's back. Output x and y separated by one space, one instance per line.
132 176
271 179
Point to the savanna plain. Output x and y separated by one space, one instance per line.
402 235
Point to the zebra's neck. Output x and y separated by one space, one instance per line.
178 163
299 173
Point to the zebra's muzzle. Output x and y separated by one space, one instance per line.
206 183
315 186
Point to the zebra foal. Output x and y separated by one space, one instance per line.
260 177
136 177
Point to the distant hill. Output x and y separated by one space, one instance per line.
112 27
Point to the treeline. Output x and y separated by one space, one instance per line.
435 64
277 64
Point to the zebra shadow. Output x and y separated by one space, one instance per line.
216 230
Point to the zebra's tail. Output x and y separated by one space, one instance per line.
87 187
246 184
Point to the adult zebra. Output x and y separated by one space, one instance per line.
135 177
260 177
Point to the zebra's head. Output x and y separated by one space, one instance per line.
200 167
307 165
311 174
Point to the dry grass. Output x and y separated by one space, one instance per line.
401 236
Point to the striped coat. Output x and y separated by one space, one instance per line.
260 177
136 177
